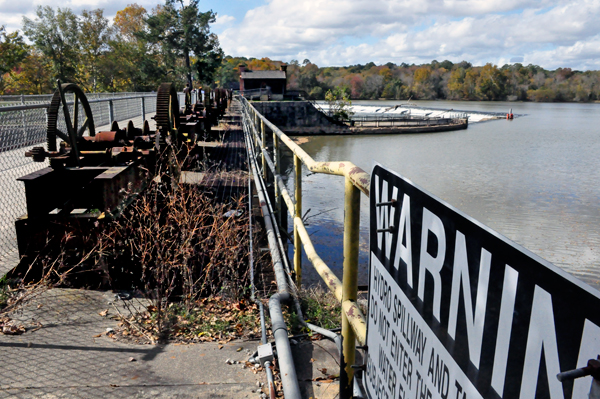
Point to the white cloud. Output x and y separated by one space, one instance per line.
478 31
550 33
582 54
223 20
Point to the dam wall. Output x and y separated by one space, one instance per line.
299 118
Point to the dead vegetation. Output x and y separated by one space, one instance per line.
181 258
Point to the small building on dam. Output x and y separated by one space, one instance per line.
271 84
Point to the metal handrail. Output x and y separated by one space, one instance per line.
25 107
357 180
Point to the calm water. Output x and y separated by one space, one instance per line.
535 179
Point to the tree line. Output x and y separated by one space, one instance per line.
139 49
136 51
436 80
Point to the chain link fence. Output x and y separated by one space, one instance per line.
23 125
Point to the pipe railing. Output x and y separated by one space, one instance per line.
409 120
354 326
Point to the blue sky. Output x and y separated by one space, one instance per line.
549 33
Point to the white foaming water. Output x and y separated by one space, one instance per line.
406 109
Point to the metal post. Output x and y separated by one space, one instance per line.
263 138
111 113
277 172
143 109
298 214
349 285
23 119
254 126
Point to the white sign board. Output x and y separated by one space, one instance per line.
458 311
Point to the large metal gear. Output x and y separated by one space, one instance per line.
75 127
167 112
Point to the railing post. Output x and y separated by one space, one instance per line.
255 126
298 214
349 284
143 109
23 119
111 113
263 138
277 172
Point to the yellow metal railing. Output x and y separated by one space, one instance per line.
354 327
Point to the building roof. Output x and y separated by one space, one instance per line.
263 75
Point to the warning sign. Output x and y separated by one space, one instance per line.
458 311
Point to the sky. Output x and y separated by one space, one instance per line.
548 33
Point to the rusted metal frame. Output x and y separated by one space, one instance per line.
70 128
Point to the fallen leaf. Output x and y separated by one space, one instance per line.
104 313
13 329
97 336
239 349
220 346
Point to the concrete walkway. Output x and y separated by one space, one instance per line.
65 353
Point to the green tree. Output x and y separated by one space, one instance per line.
13 50
183 31
307 78
56 35
394 90
95 34
339 104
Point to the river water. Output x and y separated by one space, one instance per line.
535 179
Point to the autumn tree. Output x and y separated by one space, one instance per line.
490 83
129 22
135 63
13 51
32 76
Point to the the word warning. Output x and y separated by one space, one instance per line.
456 311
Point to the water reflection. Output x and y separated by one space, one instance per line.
534 180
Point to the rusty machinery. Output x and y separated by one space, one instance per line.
92 176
